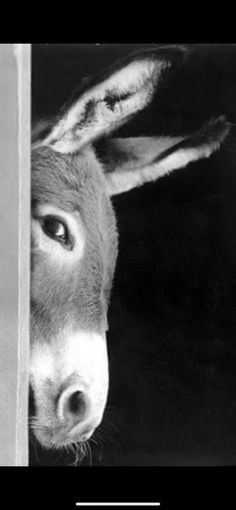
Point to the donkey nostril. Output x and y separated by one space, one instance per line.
72 406
76 403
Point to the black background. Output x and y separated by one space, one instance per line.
181 487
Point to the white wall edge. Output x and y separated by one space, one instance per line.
23 56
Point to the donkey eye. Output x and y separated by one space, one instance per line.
56 229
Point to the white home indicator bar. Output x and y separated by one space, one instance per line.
118 504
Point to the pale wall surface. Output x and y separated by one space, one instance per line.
14 256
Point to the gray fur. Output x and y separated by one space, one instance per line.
79 297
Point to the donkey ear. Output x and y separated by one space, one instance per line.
110 101
130 162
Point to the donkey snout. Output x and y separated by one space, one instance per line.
69 378
69 417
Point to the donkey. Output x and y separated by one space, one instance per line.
74 232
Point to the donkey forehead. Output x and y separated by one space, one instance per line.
67 181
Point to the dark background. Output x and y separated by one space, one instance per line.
171 340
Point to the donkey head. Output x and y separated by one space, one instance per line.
74 236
